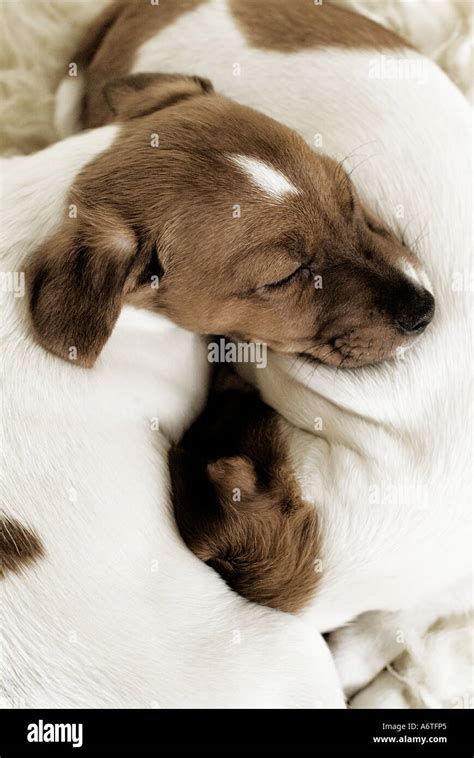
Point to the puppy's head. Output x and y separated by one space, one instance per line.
228 223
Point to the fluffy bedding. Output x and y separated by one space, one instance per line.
37 39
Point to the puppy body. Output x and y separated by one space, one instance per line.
381 453
102 605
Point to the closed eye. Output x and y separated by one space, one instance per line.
378 229
286 280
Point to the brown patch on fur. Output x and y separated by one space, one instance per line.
292 25
140 94
145 211
110 43
237 505
19 545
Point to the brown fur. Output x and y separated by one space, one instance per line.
141 94
19 545
292 25
110 43
250 277
237 505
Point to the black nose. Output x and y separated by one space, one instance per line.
414 311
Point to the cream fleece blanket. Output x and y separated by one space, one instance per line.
37 38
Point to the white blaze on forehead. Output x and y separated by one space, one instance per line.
271 181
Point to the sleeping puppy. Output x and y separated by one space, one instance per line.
381 453
227 223
102 604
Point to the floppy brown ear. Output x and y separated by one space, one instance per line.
139 94
77 282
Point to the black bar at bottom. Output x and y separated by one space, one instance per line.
299 732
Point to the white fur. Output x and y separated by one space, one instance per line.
441 30
271 181
389 470
67 108
119 613
432 662
417 276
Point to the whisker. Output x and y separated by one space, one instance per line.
351 153
421 236
341 363
316 363
410 220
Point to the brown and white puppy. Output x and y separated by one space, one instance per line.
236 502
248 232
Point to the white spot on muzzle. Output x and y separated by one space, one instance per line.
416 275
268 179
